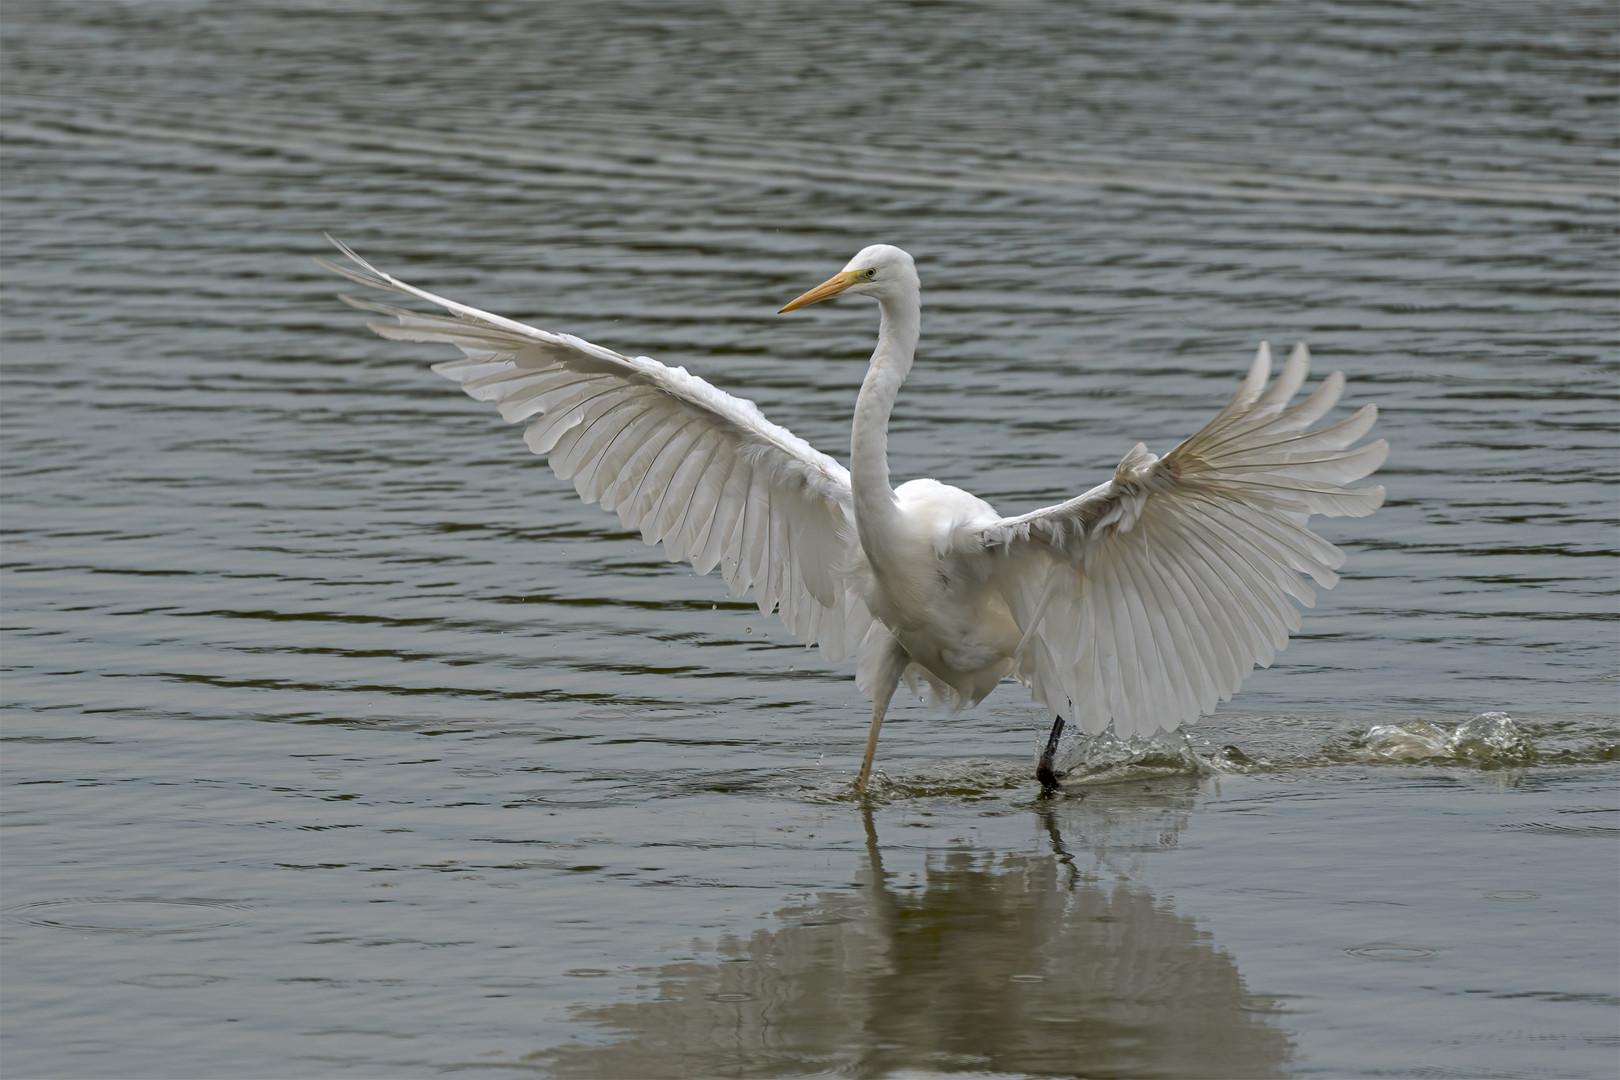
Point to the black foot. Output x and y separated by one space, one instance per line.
1043 771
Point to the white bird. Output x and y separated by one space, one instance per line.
1140 604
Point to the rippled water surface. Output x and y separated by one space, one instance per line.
341 740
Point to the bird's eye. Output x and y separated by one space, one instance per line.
871 272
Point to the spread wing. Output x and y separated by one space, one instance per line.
700 471
1148 599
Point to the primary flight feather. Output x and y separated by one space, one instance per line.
1139 604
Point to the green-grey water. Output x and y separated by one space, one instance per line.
342 740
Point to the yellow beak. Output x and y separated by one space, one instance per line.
825 291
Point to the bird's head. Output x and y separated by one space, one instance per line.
881 271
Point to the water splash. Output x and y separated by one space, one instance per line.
1275 744
1106 757
1490 740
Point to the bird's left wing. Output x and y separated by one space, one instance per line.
1150 598
694 468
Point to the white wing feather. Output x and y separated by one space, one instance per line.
694 468
1150 598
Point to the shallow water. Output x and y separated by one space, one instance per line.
342 740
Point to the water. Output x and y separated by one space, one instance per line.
342 741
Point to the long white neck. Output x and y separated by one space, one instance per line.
898 329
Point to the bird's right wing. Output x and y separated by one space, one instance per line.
1150 598
694 468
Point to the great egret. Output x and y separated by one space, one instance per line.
1139 604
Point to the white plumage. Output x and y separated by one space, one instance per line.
1140 604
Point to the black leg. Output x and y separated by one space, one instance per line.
1043 771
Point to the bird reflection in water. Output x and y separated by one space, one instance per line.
1048 962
